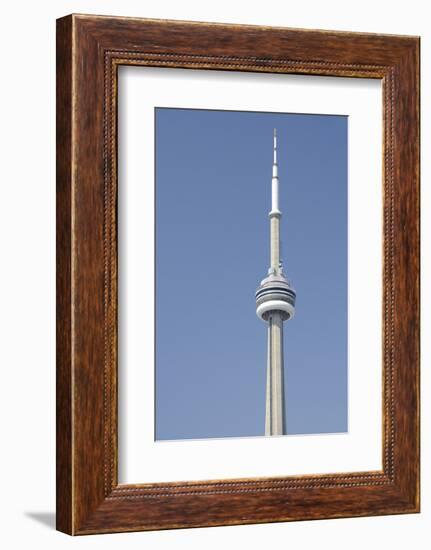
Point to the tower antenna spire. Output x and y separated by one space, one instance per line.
275 210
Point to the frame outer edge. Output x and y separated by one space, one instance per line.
64 368
407 280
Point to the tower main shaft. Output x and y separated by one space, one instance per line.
275 303
275 414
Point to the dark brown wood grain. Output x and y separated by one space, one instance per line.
89 51
64 287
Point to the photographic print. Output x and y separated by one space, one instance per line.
251 232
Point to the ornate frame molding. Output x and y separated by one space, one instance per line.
90 49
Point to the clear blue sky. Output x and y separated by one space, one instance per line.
213 185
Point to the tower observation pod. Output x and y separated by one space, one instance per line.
275 304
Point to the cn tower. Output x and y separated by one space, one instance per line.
275 304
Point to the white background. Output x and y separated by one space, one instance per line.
27 214
140 458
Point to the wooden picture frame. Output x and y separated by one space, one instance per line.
89 51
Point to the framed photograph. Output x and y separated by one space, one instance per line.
237 274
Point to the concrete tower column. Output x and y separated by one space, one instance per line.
275 410
275 242
268 385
